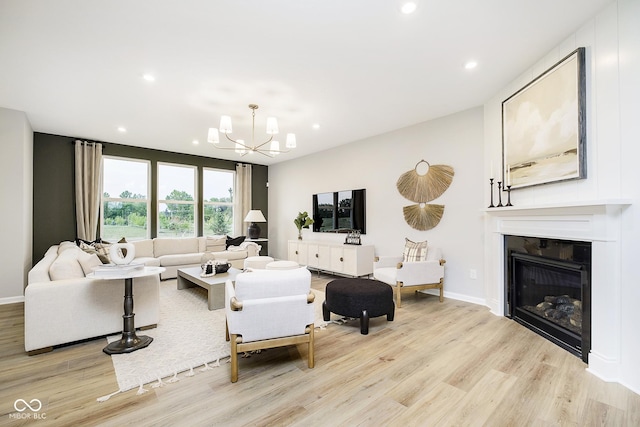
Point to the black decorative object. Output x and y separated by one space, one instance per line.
353 238
508 196
253 231
499 205
222 267
491 186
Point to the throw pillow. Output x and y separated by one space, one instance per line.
100 249
415 251
79 241
89 262
66 266
235 241
216 243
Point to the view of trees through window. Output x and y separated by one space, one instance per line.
126 204
218 202
124 200
176 200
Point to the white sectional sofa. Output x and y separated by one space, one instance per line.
173 254
63 306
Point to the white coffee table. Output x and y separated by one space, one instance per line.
190 277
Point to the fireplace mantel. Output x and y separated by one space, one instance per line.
596 221
563 208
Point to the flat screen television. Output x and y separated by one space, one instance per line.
340 211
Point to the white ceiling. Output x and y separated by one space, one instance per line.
356 67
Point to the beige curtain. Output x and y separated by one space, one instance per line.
242 198
88 189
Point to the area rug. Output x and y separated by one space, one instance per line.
189 338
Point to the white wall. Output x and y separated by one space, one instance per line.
16 203
376 164
629 98
612 42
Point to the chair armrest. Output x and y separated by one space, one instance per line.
386 261
420 272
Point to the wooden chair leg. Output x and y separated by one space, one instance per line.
398 292
441 290
311 362
234 358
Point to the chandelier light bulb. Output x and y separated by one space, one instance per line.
291 140
272 126
275 148
213 137
225 124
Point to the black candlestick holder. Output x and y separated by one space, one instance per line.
491 186
508 196
499 205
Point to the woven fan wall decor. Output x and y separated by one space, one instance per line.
422 188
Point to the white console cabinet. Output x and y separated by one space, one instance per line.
348 260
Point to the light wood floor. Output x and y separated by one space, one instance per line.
450 363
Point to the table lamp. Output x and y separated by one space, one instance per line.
254 215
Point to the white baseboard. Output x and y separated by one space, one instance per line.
453 295
11 300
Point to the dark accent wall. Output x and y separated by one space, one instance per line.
54 218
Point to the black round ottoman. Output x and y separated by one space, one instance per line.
363 298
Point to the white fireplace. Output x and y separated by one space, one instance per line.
597 222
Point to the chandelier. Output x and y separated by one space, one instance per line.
243 148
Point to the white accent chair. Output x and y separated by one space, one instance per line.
415 275
267 309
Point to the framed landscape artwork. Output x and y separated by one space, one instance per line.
544 129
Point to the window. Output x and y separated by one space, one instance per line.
125 201
217 197
176 201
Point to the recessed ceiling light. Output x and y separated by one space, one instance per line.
316 126
470 65
122 129
149 77
408 7
195 142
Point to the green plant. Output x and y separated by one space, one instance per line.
303 220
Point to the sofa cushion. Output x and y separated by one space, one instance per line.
66 266
100 249
415 251
235 241
144 248
88 262
163 246
216 243
230 255
66 245
146 260
180 259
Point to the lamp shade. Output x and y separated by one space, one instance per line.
291 140
225 124
272 126
255 215
275 148
213 136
